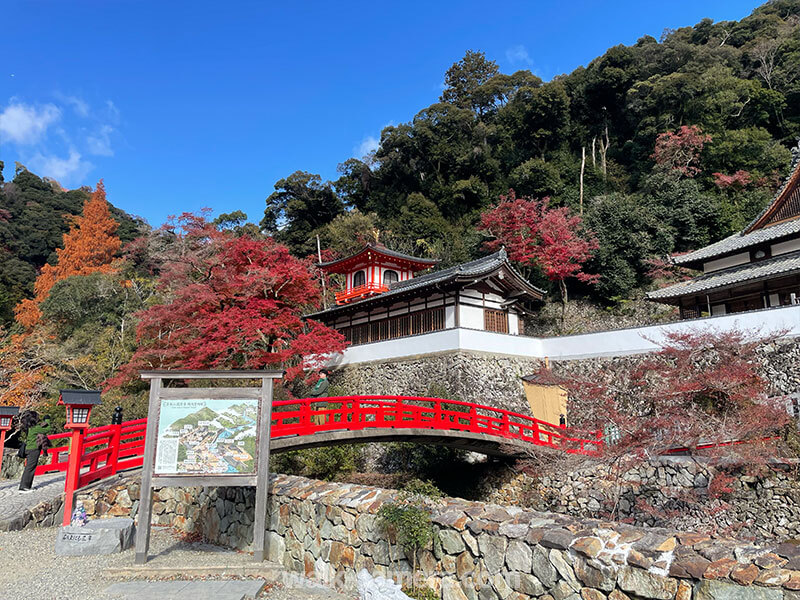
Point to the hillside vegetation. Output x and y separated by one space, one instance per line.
735 82
650 149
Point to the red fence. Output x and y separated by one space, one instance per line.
353 413
103 451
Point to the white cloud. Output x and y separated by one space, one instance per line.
26 124
518 54
72 168
368 144
112 112
80 107
100 142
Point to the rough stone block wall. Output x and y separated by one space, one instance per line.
667 492
495 379
780 365
470 377
482 551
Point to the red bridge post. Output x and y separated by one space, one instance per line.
115 441
73 473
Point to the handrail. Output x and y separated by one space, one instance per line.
359 291
104 451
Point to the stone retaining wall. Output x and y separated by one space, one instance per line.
667 492
482 551
470 377
495 379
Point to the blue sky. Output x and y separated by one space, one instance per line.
183 105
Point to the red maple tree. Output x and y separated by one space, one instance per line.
90 246
230 302
538 236
680 150
702 387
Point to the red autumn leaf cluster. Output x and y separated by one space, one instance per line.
231 302
536 235
680 150
701 387
739 180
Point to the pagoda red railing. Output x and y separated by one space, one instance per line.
106 450
360 291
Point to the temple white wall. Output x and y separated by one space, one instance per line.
591 345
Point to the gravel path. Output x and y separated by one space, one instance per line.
30 569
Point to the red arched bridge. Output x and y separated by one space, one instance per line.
313 422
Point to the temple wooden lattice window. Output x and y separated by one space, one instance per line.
423 321
495 320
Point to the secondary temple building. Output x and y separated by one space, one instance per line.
384 298
759 267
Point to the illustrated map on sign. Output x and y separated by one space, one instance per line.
207 436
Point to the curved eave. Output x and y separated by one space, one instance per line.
516 281
789 184
345 265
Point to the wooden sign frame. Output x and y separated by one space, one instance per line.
263 427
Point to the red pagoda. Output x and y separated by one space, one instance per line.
372 270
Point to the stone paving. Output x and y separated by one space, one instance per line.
13 504
187 590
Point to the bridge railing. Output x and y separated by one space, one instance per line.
315 415
104 451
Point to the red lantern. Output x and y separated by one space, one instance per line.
7 413
79 405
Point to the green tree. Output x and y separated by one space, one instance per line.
463 82
299 206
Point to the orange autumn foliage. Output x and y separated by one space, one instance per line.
89 247
21 375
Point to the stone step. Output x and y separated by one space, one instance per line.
238 589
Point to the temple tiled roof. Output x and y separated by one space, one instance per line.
791 180
463 272
372 247
751 272
739 241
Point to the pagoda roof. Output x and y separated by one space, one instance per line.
467 272
781 218
784 264
369 253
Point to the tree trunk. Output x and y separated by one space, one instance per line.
594 161
604 144
563 287
583 166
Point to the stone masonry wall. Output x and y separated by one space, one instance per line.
470 377
780 365
495 379
482 551
756 507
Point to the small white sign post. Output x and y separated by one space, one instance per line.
215 436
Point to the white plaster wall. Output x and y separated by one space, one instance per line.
606 343
784 247
728 261
513 323
470 317
449 317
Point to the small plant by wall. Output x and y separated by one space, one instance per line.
408 521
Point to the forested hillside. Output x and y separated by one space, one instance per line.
651 149
735 84
33 219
